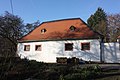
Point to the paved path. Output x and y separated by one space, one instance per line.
103 66
110 66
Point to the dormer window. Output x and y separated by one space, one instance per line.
72 28
43 31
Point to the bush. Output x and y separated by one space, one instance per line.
83 73
25 69
74 76
62 60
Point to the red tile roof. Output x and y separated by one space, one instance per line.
60 29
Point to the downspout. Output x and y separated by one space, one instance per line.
102 58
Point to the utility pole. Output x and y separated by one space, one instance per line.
11 6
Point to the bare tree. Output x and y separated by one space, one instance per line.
31 26
113 26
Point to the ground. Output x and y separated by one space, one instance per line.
17 69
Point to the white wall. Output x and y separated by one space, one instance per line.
118 40
112 52
53 49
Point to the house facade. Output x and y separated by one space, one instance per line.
61 38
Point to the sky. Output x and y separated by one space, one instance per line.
47 10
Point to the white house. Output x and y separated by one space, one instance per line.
61 38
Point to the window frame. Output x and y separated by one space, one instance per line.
84 44
43 31
25 47
68 48
72 28
38 46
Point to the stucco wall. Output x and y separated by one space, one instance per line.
112 52
52 49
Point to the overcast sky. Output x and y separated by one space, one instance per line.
47 10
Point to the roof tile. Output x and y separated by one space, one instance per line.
60 29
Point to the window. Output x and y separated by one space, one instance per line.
26 47
37 47
85 46
72 28
43 31
68 46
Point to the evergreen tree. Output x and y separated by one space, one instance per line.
98 22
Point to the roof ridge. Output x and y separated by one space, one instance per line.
61 20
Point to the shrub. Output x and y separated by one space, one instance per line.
62 60
74 76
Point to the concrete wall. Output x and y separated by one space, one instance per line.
112 52
53 49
